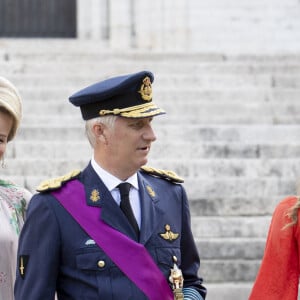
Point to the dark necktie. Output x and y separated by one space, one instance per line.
126 207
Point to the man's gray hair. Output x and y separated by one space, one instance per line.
109 121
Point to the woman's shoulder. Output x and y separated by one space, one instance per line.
14 191
286 203
282 212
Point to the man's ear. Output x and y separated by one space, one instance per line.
99 132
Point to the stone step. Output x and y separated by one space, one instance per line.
68 49
208 202
228 290
238 188
62 58
194 133
209 151
239 114
237 120
223 205
238 229
202 107
193 167
260 194
67 70
189 168
55 149
226 133
225 150
60 94
232 248
238 270
232 132
168 81
201 80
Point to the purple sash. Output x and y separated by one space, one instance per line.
122 250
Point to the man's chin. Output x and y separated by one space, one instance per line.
143 163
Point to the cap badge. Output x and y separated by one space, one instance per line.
146 89
169 235
94 195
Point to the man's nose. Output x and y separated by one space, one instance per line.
149 134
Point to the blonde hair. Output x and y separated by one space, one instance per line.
292 213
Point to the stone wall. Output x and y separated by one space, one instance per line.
233 26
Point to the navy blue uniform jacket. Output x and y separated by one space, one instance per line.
58 255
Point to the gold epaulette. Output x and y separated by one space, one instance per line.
165 174
55 183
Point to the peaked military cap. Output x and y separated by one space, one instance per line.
128 96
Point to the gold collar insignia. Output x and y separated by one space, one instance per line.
150 191
95 196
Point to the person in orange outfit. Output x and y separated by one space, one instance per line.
278 276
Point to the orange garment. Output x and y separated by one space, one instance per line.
278 276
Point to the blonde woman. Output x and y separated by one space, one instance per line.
278 276
13 199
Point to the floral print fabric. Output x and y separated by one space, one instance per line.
13 202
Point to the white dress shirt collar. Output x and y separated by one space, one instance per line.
110 180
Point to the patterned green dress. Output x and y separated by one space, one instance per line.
13 203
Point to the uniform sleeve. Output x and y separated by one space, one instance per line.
190 260
278 275
38 255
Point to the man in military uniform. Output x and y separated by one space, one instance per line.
115 230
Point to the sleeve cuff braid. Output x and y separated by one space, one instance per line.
191 294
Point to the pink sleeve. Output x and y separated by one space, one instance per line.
278 275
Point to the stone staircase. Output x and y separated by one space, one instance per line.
232 131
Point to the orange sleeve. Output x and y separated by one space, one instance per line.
278 275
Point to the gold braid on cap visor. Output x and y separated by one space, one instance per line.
137 111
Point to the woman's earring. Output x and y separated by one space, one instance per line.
3 165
